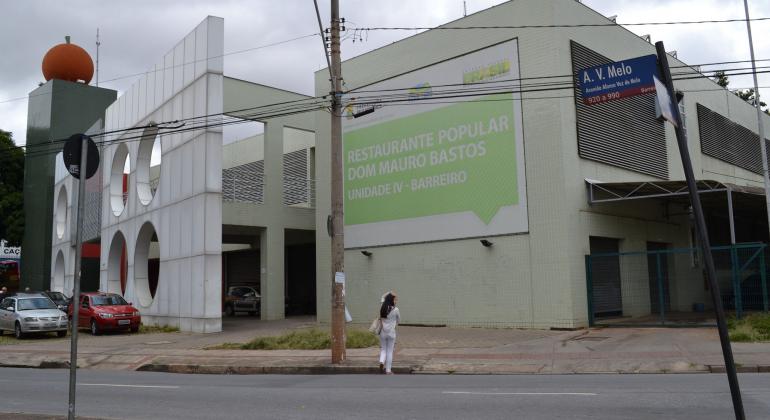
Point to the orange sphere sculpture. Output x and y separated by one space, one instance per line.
68 62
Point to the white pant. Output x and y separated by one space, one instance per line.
386 351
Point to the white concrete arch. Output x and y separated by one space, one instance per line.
61 212
186 210
143 252
145 191
117 265
118 198
59 270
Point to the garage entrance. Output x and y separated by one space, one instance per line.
242 274
241 294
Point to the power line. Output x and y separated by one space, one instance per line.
180 65
237 113
315 103
578 25
54 148
492 87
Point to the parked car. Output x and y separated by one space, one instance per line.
242 299
26 313
60 299
101 312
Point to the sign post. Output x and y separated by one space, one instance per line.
703 239
77 152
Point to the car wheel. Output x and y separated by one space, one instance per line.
18 332
61 334
94 328
229 310
135 329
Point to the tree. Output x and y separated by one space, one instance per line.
721 79
747 95
11 190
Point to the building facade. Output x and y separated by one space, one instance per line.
534 274
476 181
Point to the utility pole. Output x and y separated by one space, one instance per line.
337 225
760 123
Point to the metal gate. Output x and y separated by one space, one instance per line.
665 286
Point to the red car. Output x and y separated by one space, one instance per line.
106 311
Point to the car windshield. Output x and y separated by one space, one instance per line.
57 296
36 303
107 300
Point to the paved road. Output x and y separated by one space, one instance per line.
141 395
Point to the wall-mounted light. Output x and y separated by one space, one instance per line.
486 243
367 253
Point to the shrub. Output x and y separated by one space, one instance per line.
740 337
312 339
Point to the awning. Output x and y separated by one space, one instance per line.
735 196
607 192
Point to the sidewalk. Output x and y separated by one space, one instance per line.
421 350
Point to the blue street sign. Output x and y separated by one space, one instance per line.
621 79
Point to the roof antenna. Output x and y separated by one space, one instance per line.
465 11
97 56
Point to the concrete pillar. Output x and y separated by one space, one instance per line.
271 257
272 237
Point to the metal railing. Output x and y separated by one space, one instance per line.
243 186
668 286
299 192
246 186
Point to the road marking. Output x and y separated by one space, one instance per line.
134 386
585 394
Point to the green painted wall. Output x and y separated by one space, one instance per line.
56 110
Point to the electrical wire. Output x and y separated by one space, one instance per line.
286 41
56 148
556 26
321 103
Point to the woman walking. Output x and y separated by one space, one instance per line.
389 316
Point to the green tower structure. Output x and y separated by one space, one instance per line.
57 110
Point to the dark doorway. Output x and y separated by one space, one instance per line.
658 263
605 276
299 286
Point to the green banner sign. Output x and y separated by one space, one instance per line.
457 158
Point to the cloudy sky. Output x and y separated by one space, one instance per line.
136 33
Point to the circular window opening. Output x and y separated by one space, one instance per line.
58 273
117 262
121 168
61 213
148 165
146 265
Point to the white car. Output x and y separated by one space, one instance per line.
27 313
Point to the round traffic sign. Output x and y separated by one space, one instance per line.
71 156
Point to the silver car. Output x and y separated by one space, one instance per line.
27 313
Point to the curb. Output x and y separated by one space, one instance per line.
45 364
741 369
269 370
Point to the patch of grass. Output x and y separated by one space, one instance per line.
751 329
8 339
361 339
312 339
152 329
